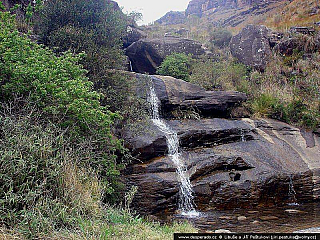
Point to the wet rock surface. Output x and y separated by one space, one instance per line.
231 163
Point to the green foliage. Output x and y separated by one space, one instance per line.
221 73
221 37
95 27
176 65
264 104
56 84
1 6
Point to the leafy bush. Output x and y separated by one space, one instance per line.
176 65
56 84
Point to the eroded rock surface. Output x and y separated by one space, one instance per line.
231 163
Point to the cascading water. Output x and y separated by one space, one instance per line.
243 139
186 205
292 193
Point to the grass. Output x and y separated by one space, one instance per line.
117 225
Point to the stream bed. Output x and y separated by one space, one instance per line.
285 219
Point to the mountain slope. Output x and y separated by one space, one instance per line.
236 14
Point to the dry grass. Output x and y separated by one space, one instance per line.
82 189
296 13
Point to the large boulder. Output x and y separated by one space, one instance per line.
251 46
258 169
147 54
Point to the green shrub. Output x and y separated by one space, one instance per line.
56 84
176 65
58 87
221 37
264 104
95 27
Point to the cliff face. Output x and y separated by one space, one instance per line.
198 7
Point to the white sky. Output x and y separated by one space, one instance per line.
152 9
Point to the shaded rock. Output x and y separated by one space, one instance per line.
172 17
309 137
133 35
287 46
162 190
147 54
302 30
251 46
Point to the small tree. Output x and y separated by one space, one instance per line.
176 65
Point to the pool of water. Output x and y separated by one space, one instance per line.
284 219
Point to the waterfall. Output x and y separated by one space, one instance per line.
243 139
292 193
186 205
130 63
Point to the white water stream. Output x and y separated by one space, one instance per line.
186 205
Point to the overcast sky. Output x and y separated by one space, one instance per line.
152 9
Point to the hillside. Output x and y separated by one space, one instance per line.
277 14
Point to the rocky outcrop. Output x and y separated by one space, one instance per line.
306 44
172 17
231 163
147 54
255 170
178 94
251 46
198 7
133 34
